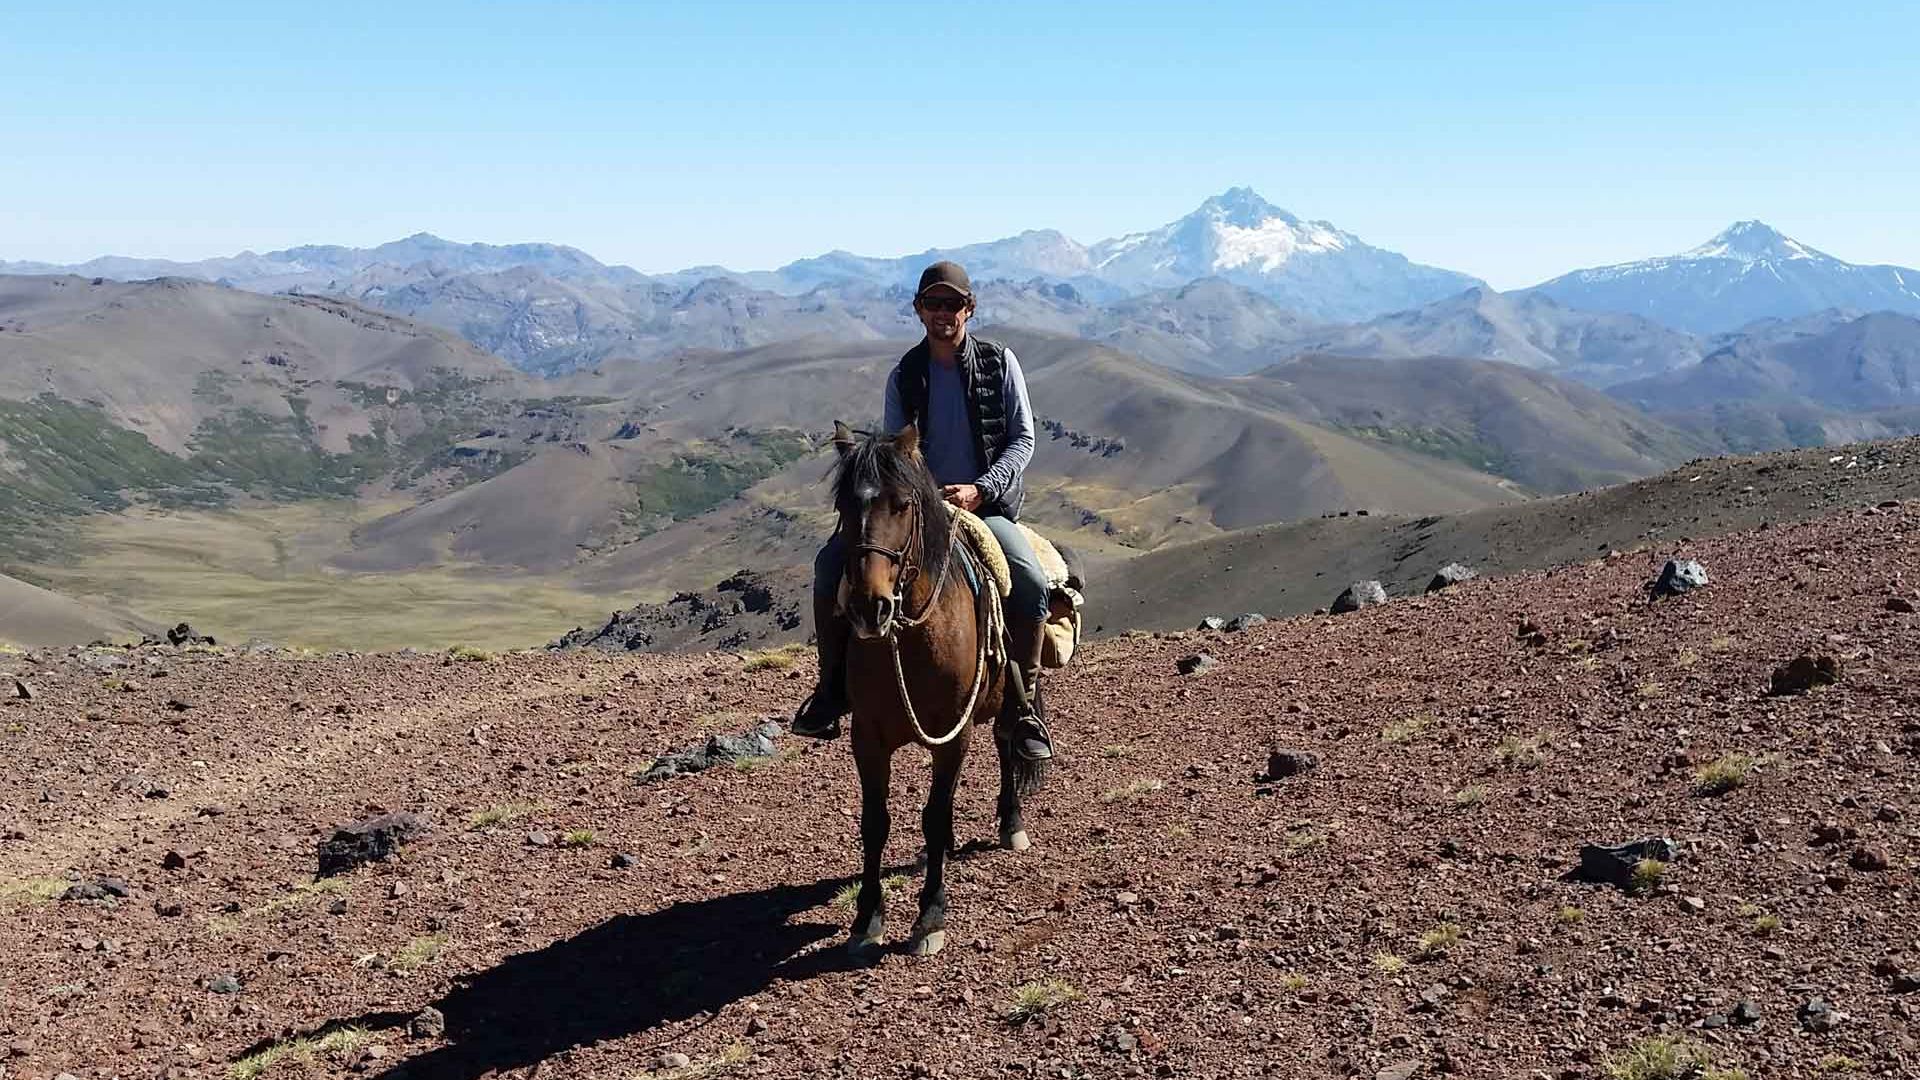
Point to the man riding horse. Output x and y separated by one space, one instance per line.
968 398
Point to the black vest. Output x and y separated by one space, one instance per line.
985 366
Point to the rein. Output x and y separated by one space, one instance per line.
896 620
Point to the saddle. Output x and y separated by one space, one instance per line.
1061 634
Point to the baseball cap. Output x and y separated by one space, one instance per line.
948 274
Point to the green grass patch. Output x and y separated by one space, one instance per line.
418 953
1647 874
1668 1057
1388 963
307 1050
304 891
578 838
1570 916
1470 796
771 660
848 896
1033 1000
1116 752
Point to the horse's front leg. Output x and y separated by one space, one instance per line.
936 823
875 764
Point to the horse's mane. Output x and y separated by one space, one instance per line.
876 466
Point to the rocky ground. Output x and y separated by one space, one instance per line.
1405 908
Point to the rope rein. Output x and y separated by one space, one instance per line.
990 619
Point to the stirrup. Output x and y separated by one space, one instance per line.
1027 734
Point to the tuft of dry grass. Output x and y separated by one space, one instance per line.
1726 773
1132 792
1647 874
578 838
1389 964
1470 796
1515 752
306 1050
1401 731
1033 1000
418 953
502 813
1439 940
1570 916
468 654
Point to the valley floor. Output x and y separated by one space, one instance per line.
1401 911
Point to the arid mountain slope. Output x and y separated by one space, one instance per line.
31 615
1294 568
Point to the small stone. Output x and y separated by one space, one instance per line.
1404 1070
1906 982
1745 1014
1868 859
1900 604
371 840
428 1023
1212 622
338 907
1817 1016
1127 899
756 1026
539 839
624 861
1827 832
1244 622
673 1060
1693 904
173 860
1282 764
22 691
224 984
168 909
1226 933
397 890
1196 664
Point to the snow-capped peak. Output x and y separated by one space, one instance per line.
1242 207
1753 242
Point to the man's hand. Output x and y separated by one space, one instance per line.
965 496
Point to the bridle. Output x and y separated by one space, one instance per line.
893 617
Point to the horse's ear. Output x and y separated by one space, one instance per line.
908 441
842 439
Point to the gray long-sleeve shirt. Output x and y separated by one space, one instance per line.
948 445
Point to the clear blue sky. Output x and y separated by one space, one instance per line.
1513 141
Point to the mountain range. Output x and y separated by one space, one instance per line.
1234 286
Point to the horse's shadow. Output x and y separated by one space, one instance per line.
623 976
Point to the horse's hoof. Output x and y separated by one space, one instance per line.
929 943
1016 841
862 946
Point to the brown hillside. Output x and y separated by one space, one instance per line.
1295 568
31 615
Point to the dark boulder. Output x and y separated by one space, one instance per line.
1359 595
1803 673
1212 622
184 635
1243 622
371 840
1615 865
755 743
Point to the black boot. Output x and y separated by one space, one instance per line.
819 716
1025 714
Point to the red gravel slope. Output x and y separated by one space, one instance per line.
1210 926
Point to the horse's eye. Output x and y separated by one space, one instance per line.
900 506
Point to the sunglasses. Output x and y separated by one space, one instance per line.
944 304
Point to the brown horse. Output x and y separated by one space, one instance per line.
924 664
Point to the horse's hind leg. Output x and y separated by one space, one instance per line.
1013 830
869 918
936 823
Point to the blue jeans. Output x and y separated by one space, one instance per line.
1029 599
